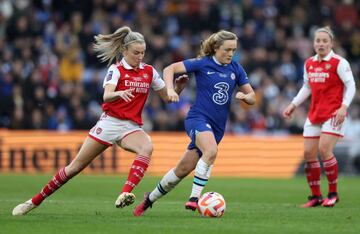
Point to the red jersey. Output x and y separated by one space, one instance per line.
327 88
140 80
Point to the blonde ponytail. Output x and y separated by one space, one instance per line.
109 46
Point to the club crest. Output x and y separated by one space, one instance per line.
98 130
109 75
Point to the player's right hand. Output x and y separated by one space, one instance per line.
126 95
289 110
340 115
172 95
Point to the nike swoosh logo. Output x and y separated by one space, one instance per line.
210 73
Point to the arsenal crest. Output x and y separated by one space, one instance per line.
98 130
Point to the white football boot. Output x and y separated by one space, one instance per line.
23 208
124 199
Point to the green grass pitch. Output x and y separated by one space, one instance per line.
86 205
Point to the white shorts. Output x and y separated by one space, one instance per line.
108 130
314 130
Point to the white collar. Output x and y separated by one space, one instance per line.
326 58
128 67
217 62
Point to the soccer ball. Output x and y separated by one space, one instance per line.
211 204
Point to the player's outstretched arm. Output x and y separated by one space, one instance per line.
180 84
302 95
168 73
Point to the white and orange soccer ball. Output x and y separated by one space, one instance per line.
211 204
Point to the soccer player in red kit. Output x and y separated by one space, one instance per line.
126 84
329 81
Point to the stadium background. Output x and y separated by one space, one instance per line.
50 79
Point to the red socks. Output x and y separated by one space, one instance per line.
136 173
59 179
313 172
331 172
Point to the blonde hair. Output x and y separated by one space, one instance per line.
214 41
327 30
109 46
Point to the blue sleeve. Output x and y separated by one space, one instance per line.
242 77
194 64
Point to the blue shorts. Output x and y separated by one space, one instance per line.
195 125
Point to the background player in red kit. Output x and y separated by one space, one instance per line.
127 86
330 82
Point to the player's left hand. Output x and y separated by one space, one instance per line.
340 115
240 95
182 80
247 98
180 83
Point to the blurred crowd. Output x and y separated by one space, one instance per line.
50 77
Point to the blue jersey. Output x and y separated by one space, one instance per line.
215 85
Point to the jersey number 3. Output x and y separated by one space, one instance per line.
221 96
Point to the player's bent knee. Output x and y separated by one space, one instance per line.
211 151
210 154
146 150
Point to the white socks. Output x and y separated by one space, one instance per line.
170 180
167 183
202 174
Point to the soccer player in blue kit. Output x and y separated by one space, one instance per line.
217 76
